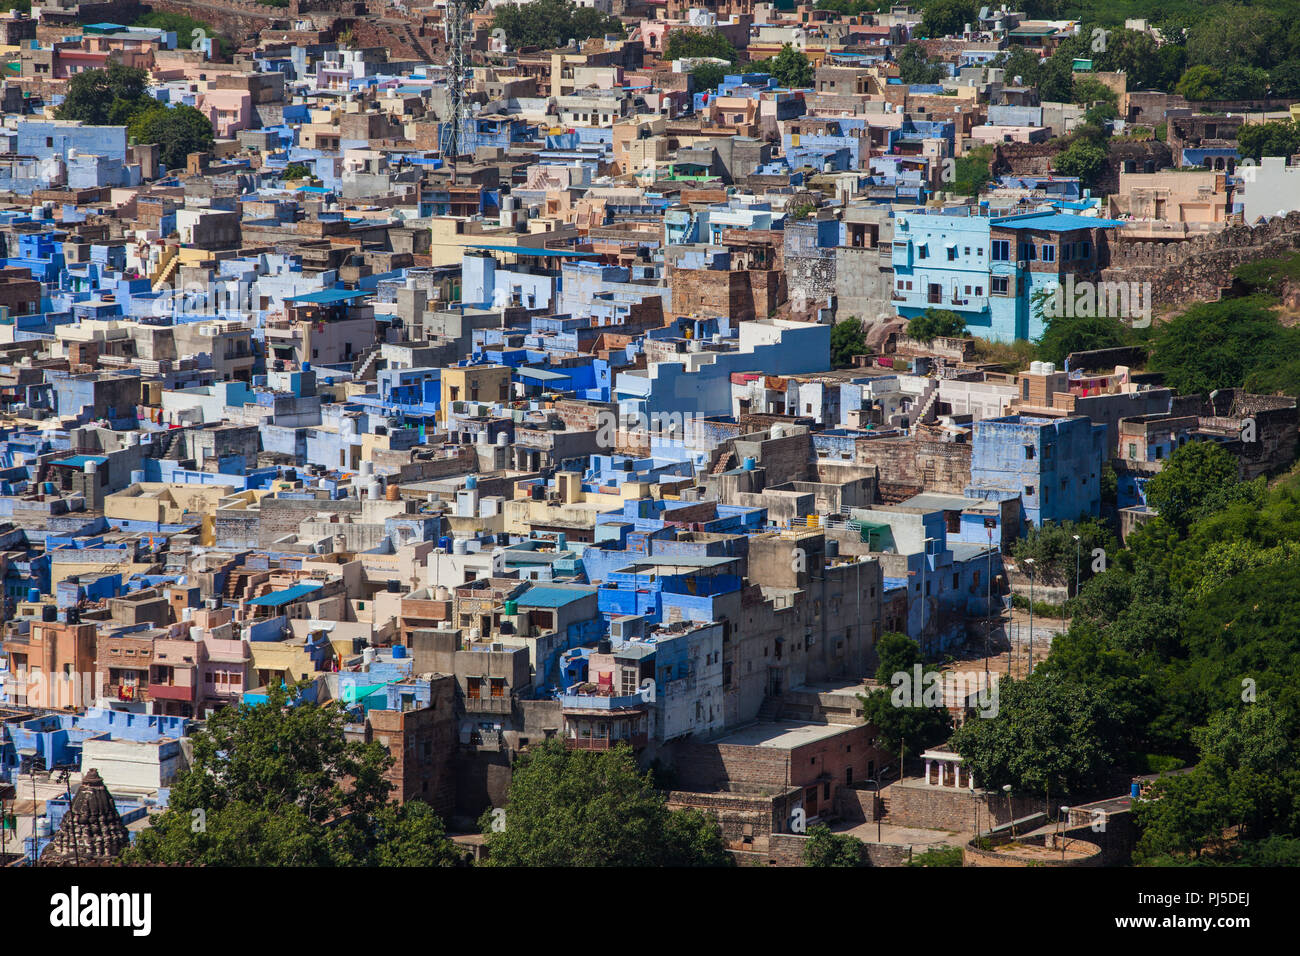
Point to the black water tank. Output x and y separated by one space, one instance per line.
394 587
1149 166
604 647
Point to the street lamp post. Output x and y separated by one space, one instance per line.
925 559
1078 545
1062 821
1030 562
1011 815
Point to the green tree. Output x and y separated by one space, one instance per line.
1088 90
1214 345
942 18
847 340
938 856
1184 812
899 711
1280 138
583 808
104 97
1056 554
825 848
265 787
936 323
709 76
915 67
1082 159
1050 735
791 68
1196 476
698 43
551 23
296 171
1199 83
178 130
1243 83
1069 333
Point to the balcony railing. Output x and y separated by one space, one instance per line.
171 692
605 743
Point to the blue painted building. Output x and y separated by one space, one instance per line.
1052 464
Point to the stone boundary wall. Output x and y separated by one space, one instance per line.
1199 268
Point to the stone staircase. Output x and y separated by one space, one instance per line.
770 709
367 363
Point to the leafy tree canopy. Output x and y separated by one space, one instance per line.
586 808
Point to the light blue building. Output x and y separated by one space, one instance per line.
1052 464
941 261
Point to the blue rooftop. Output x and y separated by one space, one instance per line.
79 461
1054 222
552 597
330 296
287 596
534 251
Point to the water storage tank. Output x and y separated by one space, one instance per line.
196 634
1049 368
391 493
750 464
459 546
512 607
777 432
368 656
445 542
471 482
306 366
502 439
373 490
1035 368
832 548
399 652
367 467
43 827
137 476
90 468
33 595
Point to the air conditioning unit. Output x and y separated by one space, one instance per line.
498 647
1022 264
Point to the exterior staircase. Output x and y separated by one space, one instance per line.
167 268
770 709
367 363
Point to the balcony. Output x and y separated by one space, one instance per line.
635 741
182 692
589 702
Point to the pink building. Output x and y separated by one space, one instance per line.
229 110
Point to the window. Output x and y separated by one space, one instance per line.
498 687
999 285
923 251
1132 450
1029 491
952 253
1049 253
473 688
1001 250
956 581
1085 250
1029 453
1027 252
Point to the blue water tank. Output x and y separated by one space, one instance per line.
399 651
1136 791
306 366
33 594
137 476
750 464
49 488
445 542
471 482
